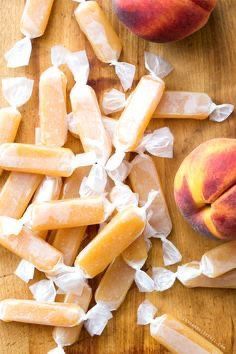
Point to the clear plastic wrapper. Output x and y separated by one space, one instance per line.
52 103
17 90
219 260
139 109
191 276
43 291
191 105
33 24
44 313
102 37
25 271
174 335
49 161
144 177
113 101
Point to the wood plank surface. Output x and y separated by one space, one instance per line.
204 62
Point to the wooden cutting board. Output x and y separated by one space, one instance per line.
204 62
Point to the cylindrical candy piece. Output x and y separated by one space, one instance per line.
52 107
138 113
219 260
49 161
143 178
67 213
115 284
93 21
190 275
33 249
10 119
115 237
35 17
179 104
87 122
35 312
9 123
17 193
68 336
179 338
68 241
48 190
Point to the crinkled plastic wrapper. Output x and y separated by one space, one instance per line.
173 334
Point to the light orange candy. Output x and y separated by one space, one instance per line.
199 280
48 314
143 178
98 30
87 122
123 229
68 241
178 104
33 249
67 213
138 113
115 284
17 193
219 260
49 161
52 107
179 338
35 17
68 336
10 119
49 189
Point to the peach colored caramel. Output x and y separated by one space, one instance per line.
17 193
50 161
48 314
35 17
52 107
116 236
179 338
68 336
68 241
33 249
138 113
67 213
205 188
98 30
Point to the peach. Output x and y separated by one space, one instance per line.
205 188
164 20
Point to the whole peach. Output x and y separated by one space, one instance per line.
205 188
164 20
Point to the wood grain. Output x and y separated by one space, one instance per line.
204 62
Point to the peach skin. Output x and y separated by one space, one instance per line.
164 20
205 188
